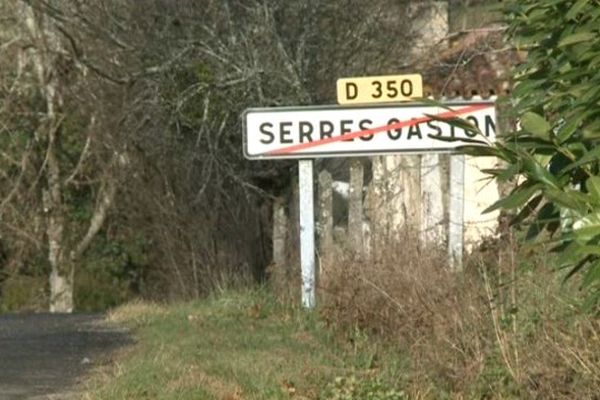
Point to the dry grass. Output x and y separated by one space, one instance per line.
136 313
502 328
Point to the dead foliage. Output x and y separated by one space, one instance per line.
504 327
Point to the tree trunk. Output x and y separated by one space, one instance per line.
61 289
280 227
325 224
355 208
432 200
61 275
62 258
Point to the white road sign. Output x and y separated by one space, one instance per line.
334 131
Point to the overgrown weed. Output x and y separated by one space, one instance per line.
504 327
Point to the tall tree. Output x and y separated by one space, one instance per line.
149 93
66 182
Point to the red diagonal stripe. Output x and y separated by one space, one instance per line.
397 125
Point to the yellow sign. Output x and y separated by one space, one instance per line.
379 89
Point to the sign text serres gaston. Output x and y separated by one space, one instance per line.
331 131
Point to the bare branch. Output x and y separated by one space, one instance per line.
84 153
17 184
104 203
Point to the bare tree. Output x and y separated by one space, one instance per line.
56 101
129 110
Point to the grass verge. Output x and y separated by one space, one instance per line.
402 327
238 345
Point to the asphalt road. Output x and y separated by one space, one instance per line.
43 356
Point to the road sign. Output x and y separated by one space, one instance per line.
379 89
333 131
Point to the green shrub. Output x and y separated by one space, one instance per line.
362 388
111 274
554 154
23 293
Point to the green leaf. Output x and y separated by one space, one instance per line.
458 123
592 131
593 186
527 210
517 198
471 142
568 199
595 60
524 87
574 252
557 99
577 267
546 215
535 124
590 157
587 228
576 38
539 172
571 124
569 254
591 275
591 94
481 151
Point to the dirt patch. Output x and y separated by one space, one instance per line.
43 356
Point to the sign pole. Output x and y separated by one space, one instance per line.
307 232
456 211
311 132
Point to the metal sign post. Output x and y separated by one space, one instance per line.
456 211
305 133
307 232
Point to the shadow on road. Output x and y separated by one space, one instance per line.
43 354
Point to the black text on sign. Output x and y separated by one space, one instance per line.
379 89
330 131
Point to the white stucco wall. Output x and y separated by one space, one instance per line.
480 193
